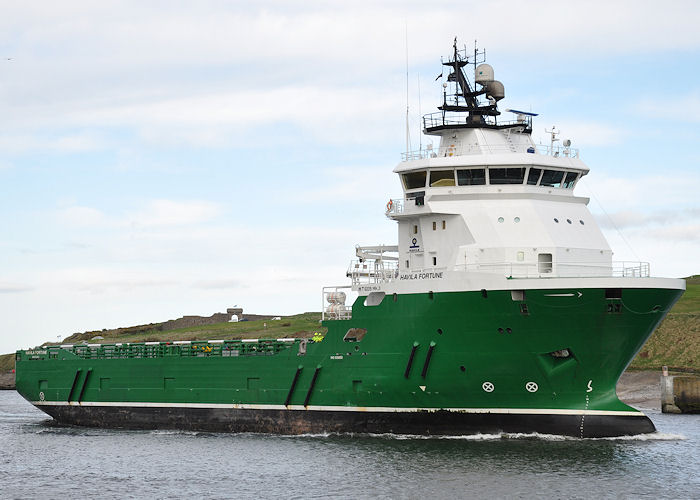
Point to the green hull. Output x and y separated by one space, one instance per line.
464 361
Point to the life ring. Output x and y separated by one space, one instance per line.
389 205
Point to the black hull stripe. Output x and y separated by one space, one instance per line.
438 422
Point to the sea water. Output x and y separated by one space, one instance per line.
41 459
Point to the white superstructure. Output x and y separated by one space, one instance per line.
488 209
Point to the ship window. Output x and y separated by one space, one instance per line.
434 225
471 177
552 178
415 229
413 180
435 261
533 176
444 224
544 263
407 265
506 175
570 179
440 178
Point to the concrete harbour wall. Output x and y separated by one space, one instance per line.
680 394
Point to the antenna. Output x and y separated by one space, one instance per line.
553 138
408 131
420 128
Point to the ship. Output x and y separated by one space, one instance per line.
499 310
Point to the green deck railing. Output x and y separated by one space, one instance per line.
139 350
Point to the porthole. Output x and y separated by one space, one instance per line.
568 220
439 331
581 222
501 219
463 368
556 220
516 220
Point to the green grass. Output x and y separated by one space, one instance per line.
690 301
676 343
7 362
299 325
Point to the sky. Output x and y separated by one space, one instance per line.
159 159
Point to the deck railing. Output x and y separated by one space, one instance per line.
621 269
139 350
368 272
476 149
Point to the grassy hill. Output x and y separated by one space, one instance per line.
676 343
300 325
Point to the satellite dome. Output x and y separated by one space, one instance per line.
495 90
483 74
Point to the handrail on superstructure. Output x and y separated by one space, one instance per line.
368 273
478 149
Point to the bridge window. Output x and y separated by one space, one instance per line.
439 178
533 176
570 179
506 175
471 177
552 178
413 180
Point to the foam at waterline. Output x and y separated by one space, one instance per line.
655 436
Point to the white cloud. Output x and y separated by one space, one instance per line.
174 213
80 216
6 287
641 219
656 192
583 133
687 106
